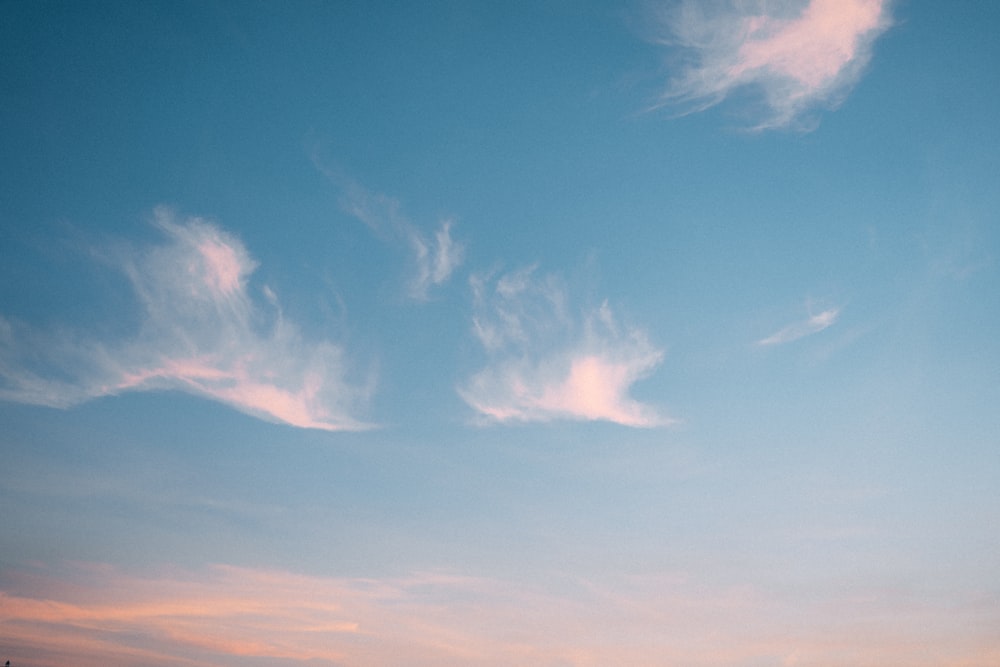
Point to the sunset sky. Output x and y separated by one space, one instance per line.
652 332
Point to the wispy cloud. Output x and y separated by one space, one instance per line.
797 330
224 615
201 332
797 55
434 258
548 363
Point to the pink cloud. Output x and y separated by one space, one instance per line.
545 366
226 269
595 388
797 55
201 331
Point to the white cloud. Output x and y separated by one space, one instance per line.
545 364
798 55
434 259
201 332
797 330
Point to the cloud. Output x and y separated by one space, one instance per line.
434 259
90 615
546 365
797 55
797 330
200 332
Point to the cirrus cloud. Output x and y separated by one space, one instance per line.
807 327
546 363
201 332
433 260
797 55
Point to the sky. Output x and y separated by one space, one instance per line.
653 332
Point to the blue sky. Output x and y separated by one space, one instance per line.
499 333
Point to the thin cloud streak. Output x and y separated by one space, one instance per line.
545 365
201 332
793 332
226 615
797 55
434 259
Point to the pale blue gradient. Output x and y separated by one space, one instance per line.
853 459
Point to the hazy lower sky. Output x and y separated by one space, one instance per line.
531 333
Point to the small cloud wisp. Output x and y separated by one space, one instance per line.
797 330
545 365
435 259
797 55
200 332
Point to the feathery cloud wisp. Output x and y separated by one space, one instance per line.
201 332
797 330
545 365
798 55
435 259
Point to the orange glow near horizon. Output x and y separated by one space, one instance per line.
222 614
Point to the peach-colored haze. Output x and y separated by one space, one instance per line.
224 615
797 55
